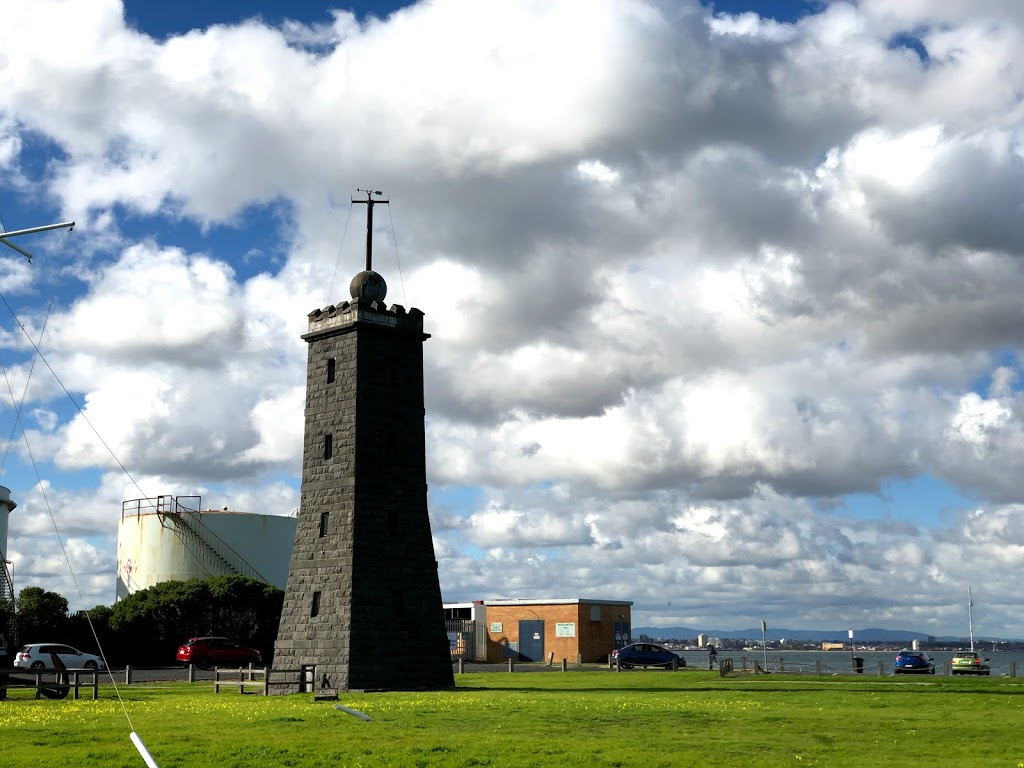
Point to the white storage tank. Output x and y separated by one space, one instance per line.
6 507
171 538
7 633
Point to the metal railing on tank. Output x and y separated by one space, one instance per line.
186 509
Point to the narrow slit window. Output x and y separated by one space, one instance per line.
328 446
314 609
330 370
324 517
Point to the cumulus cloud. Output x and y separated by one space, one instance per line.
688 308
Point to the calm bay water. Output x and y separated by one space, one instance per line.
839 662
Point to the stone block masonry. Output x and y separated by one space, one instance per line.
363 602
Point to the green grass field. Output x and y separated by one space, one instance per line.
593 719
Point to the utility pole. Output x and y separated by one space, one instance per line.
970 616
764 642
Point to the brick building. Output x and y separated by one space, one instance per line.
572 628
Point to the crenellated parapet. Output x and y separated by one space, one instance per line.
337 318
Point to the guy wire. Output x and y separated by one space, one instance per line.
394 237
337 263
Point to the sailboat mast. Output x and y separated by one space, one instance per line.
970 616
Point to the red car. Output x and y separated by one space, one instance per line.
216 651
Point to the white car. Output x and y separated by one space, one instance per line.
41 655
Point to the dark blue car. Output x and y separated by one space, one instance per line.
646 655
913 662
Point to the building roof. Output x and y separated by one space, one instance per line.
556 601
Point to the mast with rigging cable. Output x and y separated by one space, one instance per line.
69 225
5 239
369 202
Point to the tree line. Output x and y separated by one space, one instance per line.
146 627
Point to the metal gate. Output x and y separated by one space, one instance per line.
531 640
621 634
467 639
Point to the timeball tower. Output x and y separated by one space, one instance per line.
363 601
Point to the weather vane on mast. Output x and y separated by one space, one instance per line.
4 235
369 202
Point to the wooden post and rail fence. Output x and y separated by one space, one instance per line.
51 683
263 678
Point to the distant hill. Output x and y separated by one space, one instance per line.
872 634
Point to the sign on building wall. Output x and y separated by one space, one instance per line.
567 629
495 626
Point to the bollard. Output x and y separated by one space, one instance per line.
743 663
782 664
551 658
579 659
462 666
618 665
1013 669
565 665
817 666
128 674
675 665
611 661
511 664
191 673
881 668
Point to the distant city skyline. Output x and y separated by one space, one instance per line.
861 635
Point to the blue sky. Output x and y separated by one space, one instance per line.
731 325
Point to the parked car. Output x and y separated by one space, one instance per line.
646 655
916 662
969 663
40 656
216 651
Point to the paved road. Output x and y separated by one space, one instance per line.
158 675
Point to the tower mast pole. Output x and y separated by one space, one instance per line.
369 202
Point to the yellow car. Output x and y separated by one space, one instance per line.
969 663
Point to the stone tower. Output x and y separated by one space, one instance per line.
363 602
